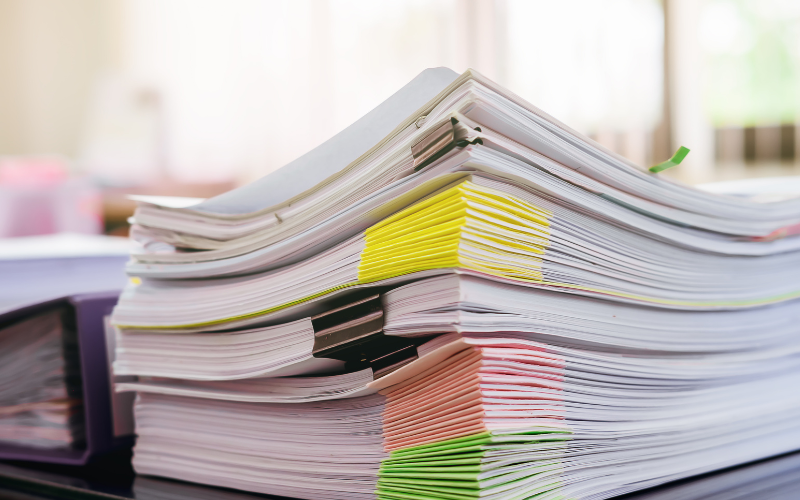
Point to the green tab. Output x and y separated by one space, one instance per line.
438 492
469 441
427 484
387 492
458 459
385 471
676 159
416 476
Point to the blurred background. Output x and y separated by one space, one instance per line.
104 98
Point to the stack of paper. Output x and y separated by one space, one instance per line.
57 398
41 396
460 297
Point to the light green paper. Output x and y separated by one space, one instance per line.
465 442
460 459
676 159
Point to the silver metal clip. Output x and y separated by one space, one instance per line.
446 137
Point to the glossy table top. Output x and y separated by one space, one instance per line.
112 478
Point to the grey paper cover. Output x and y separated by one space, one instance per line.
334 154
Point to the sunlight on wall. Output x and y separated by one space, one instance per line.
602 69
247 86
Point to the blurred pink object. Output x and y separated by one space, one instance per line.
37 196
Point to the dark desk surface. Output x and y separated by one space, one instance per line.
112 478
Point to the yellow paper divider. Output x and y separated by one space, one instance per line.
429 235
506 199
532 235
445 220
406 212
530 213
449 253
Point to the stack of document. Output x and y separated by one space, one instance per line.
41 402
460 297
57 398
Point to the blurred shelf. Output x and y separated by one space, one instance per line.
117 208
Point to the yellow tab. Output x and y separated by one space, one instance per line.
406 212
506 234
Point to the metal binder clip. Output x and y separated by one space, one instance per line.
353 333
446 137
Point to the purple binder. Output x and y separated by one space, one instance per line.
90 311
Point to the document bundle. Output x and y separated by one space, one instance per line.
460 297
57 402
